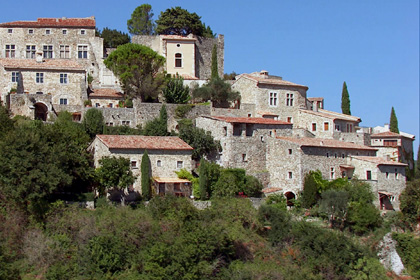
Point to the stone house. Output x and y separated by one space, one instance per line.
41 87
167 154
387 179
188 56
394 146
105 97
270 96
244 140
289 159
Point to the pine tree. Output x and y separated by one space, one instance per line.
214 66
345 100
393 122
145 176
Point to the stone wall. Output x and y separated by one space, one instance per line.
355 137
117 116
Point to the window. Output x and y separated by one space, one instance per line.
368 175
335 155
10 30
64 31
39 92
30 31
39 78
332 173
177 187
289 99
390 143
244 158
47 31
63 78
289 119
15 77
30 51
10 51
179 164
82 51
126 123
178 60
290 151
133 164
273 99
82 32
159 163
97 105
110 105
349 127
63 101
290 175
326 126
225 131
47 51
337 127
328 155
342 156
387 175
313 126
396 174
64 51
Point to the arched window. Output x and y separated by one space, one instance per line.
178 60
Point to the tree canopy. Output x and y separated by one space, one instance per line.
113 38
176 92
178 21
141 21
145 176
139 70
393 122
93 122
159 125
114 173
345 100
218 91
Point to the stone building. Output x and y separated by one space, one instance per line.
39 88
105 97
188 56
387 179
167 155
270 96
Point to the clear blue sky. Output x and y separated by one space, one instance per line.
372 45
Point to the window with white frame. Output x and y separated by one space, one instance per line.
133 164
64 51
63 101
179 164
47 51
10 51
63 79
368 175
10 30
178 60
30 51
15 77
289 99
39 78
64 31
332 173
82 51
273 99
125 123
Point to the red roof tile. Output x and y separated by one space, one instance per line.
331 115
379 161
178 37
386 134
271 190
188 77
48 64
143 142
248 120
54 22
326 143
106 92
270 80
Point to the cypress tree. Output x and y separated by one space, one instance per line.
203 179
393 122
145 176
214 66
164 120
345 100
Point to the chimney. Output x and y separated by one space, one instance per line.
264 74
315 106
39 57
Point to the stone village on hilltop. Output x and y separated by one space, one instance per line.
277 133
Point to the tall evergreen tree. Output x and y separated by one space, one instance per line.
393 122
214 66
141 21
345 100
145 176
203 180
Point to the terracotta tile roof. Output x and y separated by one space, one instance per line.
170 180
143 142
270 80
178 37
325 143
188 77
248 120
54 22
379 161
106 92
386 134
271 190
47 64
331 115
316 98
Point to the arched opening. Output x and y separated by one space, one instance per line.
290 198
178 60
385 201
41 111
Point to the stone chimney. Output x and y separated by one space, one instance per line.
315 106
264 74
